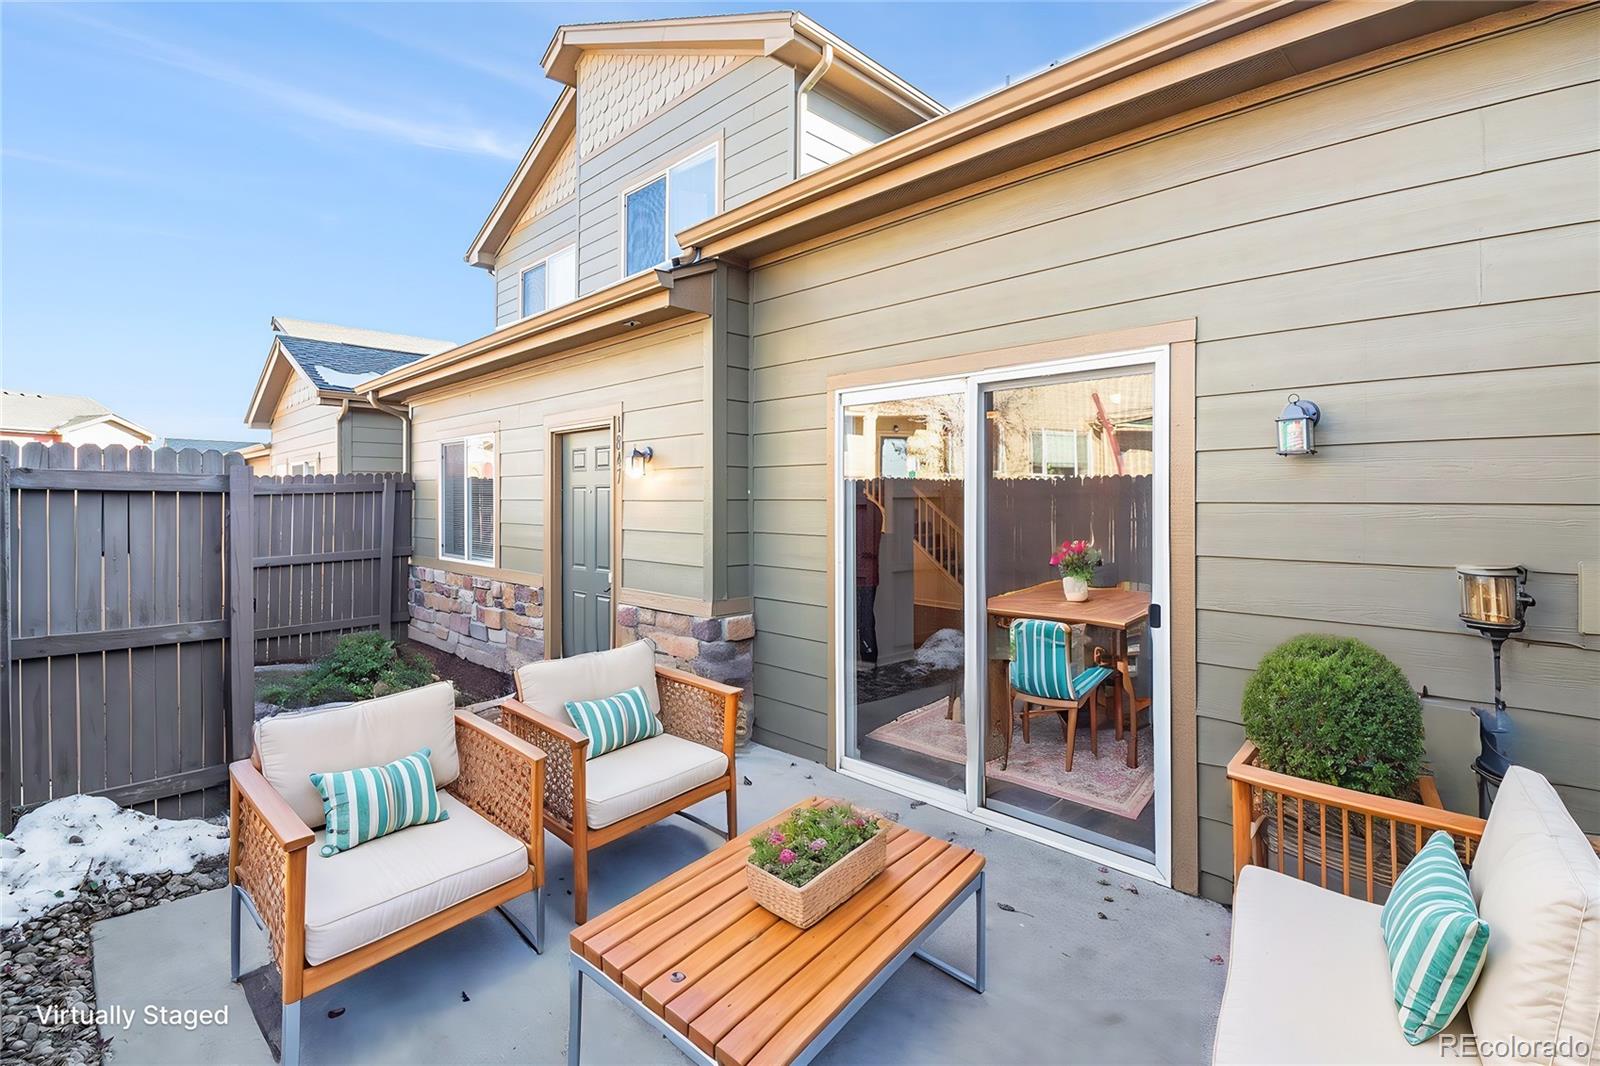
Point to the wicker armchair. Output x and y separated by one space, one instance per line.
589 803
354 910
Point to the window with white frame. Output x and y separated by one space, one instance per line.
1059 453
466 499
654 212
550 282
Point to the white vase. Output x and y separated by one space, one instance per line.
1076 589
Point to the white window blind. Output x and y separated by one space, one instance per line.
466 499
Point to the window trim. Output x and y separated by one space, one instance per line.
466 440
522 309
655 173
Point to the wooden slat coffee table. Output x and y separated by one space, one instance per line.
728 982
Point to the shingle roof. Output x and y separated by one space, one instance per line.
340 366
203 444
43 412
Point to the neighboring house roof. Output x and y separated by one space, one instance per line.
335 360
786 35
45 414
202 444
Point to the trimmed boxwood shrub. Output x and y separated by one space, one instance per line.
1335 710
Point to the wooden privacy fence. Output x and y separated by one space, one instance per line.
129 628
329 558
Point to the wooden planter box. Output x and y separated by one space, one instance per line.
808 904
1332 835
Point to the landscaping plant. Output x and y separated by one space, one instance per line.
359 667
811 840
1335 710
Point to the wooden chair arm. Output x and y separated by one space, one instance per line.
698 709
502 778
276 815
565 754
267 858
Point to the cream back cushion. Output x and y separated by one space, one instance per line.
370 733
1536 880
547 686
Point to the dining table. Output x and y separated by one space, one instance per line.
1114 609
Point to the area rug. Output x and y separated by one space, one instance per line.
1105 782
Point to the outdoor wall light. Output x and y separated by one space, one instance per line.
639 461
1494 601
1297 427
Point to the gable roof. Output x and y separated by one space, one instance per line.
43 413
786 35
334 359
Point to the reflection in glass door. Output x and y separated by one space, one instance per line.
1070 459
902 556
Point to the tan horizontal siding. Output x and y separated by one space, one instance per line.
658 380
1414 249
304 430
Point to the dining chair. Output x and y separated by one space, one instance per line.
1042 677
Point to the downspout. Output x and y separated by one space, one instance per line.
338 436
404 415
803 103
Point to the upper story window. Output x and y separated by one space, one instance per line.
550 282
665 205
466 499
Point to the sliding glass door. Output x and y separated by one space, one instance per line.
969 674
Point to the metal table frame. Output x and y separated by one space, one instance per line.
583 968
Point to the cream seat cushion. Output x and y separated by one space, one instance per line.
547 686
356 897
1308 981
1537 883
645 773
292 747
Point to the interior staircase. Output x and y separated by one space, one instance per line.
939 545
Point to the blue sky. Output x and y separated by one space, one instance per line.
171 176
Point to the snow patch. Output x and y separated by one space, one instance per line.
41 867
341 379
944 650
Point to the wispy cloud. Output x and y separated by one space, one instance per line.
319 107
442 48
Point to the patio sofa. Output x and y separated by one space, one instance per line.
329 918
1308 977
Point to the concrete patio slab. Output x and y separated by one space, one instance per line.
1065 985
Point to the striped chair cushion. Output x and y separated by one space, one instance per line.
1041 663
1435 938
365 804
614 721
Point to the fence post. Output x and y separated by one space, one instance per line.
386 574
8 775
241 609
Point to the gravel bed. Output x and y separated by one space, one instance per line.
49 962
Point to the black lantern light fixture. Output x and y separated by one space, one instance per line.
639 461
1297 427
1495 602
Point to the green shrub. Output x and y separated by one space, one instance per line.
359 667
1335 710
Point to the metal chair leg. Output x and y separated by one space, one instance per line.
534 939
234 906
290 1035
575 1020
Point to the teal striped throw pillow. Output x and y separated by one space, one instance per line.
365 804
615 721
1435 938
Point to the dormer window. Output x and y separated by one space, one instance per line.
664 205
550 282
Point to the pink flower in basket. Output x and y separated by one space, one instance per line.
775 837
817 844
787 856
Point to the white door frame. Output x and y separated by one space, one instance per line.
975 616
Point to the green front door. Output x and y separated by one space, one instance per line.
587 472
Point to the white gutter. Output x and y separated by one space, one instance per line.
404 415
803 104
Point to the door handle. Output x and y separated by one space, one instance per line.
1155 616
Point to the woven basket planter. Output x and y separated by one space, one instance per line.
808 904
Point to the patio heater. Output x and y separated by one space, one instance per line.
1494 601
